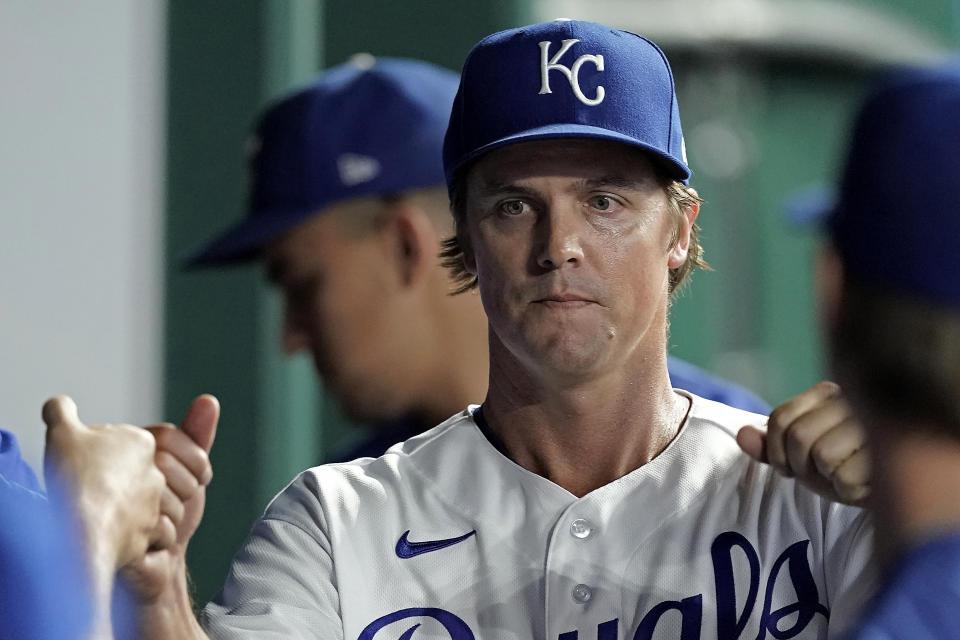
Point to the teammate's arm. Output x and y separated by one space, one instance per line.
159 578
815 438
106 476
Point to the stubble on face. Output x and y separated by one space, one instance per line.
570 241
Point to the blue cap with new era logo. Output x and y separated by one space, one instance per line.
896 221
565 79
368 127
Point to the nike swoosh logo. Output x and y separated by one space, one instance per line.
407 549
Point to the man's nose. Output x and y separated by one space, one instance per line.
560 238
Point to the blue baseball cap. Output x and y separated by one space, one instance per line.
896 222
367 127
565 79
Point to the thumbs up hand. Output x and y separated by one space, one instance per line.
183 457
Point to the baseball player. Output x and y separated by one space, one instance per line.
585 498
347 212
892 301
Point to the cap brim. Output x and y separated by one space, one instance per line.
244 241
676 169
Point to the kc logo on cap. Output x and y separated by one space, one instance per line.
572 73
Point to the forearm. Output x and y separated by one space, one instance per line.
170 616
101 556
102 578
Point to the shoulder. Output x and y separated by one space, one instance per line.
720 418
414 466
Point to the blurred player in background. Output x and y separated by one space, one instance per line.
347 213
890 284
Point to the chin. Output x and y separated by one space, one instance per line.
574 350
573 361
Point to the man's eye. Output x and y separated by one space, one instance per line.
513 207
602 203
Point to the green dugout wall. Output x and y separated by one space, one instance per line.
225 61
761 119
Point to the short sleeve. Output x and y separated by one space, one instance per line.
281 583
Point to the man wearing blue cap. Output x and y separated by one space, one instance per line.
347 211
586 495
891 288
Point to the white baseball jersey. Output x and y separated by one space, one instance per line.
444 537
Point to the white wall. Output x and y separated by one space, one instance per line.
81 205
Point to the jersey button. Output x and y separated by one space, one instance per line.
581 528
582 593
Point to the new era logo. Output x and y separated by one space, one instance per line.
356 169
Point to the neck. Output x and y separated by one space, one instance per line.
459 354
915 490
585 434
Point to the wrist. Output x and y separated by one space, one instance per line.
170 614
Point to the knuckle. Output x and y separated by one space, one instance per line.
775 422
161 434
850 475
825 458
156 478
204 468
165 461
828 387
166 533
800 438
174 511
855 431
852 493
142 438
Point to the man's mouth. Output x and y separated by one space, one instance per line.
565 300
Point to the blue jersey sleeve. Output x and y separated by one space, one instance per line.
12 466
921 598
689 377
43 587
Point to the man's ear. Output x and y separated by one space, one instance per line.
412 242
678 252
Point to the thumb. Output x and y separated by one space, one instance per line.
753 441
60 410
201 420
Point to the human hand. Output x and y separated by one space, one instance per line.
815 438
183 456
107 474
